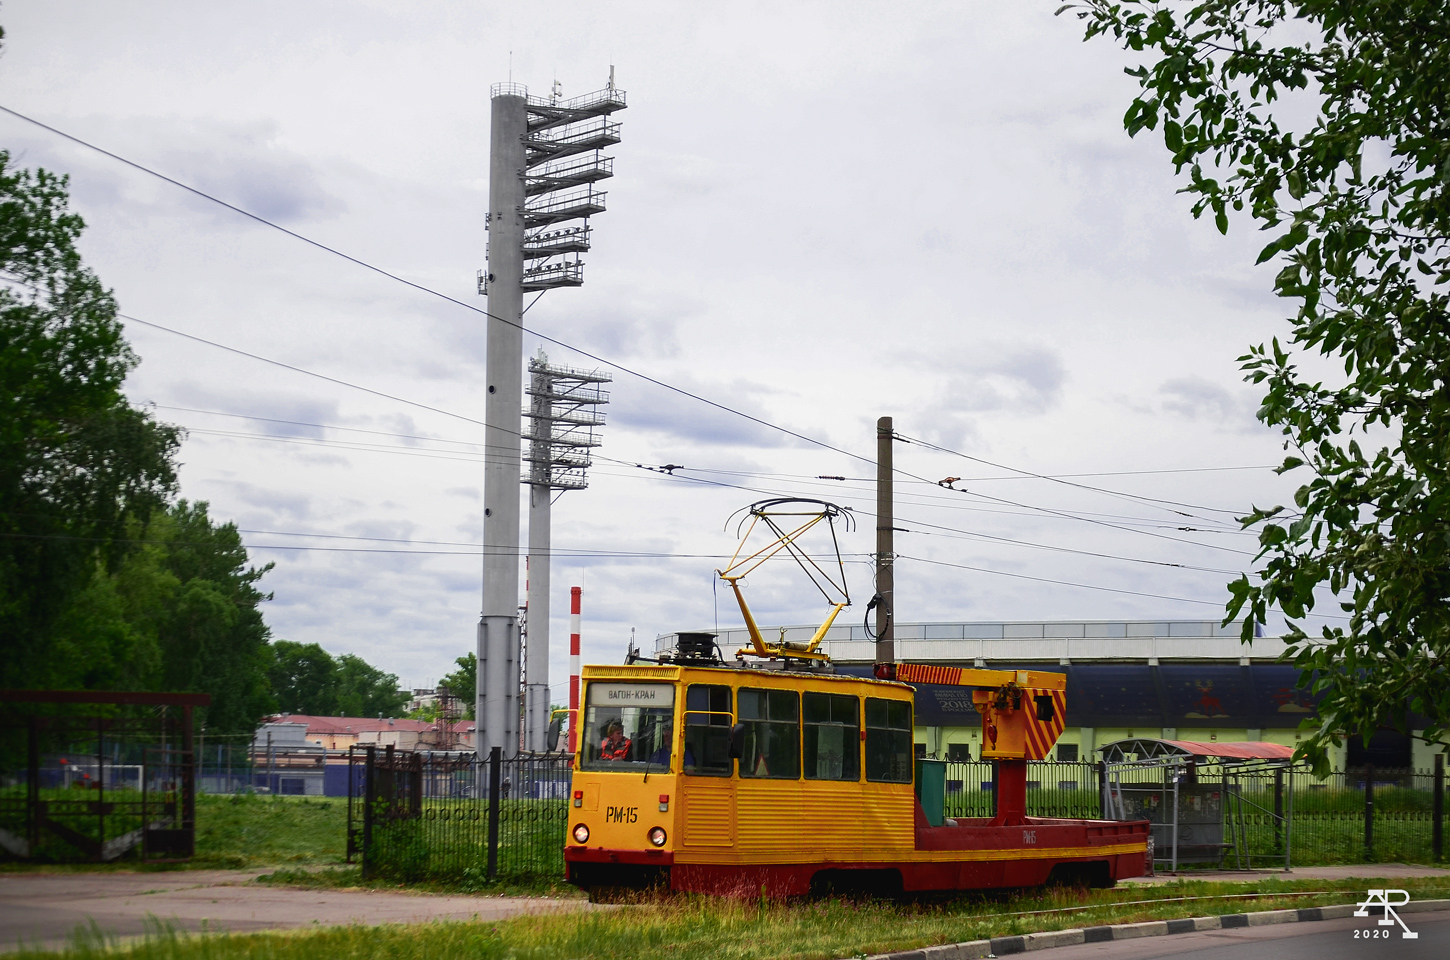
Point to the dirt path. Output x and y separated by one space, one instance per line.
46 909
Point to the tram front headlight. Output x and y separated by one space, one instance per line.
581 833
657 836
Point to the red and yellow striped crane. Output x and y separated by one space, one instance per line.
1023 712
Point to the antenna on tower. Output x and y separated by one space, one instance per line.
611 77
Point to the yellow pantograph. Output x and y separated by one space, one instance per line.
800 516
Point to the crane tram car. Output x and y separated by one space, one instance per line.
775 774
704 776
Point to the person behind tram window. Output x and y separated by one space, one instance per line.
666 738
615 745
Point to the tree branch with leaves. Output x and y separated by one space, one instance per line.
1356 201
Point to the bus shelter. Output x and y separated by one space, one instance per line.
94 774
1200 798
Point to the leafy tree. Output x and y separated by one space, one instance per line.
365 691
307 679
104 583
428 712
1356 200
463 683
78 464
180 612
304 678
214 639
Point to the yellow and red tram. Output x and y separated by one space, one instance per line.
741 778
775 774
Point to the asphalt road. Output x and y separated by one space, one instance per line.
1320 940
46 909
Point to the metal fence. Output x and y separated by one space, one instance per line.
1359 815
97 775
416 816
448 816
1068 789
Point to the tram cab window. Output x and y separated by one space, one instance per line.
772 734
628 726
831 745
888 740
707 730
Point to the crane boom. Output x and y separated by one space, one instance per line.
1023 712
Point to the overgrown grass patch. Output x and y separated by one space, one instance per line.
667 928
246 830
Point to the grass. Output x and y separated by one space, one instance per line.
716 929
350 878
449 843
124 817
263 831
248 831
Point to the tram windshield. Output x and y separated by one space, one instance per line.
628 726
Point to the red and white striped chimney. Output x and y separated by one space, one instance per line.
574 594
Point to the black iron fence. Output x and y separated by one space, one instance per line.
415 816
450 816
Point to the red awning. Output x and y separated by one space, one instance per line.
1243 750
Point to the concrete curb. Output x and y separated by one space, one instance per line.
1003 946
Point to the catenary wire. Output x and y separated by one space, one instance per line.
468 306
672 477
1031 508
714 470
429 290
422 288
1081 486
465 456
941 529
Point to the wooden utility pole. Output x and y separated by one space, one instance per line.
885 547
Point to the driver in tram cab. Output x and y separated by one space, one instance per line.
615 745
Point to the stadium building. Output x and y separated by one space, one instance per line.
1175 679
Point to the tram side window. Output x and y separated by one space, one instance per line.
707 730
831 745
772 734
888 740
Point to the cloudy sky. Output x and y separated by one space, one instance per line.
822 213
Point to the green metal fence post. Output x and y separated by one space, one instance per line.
370 794
495 785
1278 810
1369 812
33 814
1437 813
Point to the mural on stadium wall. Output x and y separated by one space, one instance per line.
1128 695
1121 694
1208 692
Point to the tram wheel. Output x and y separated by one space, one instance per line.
1095 875
857 884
